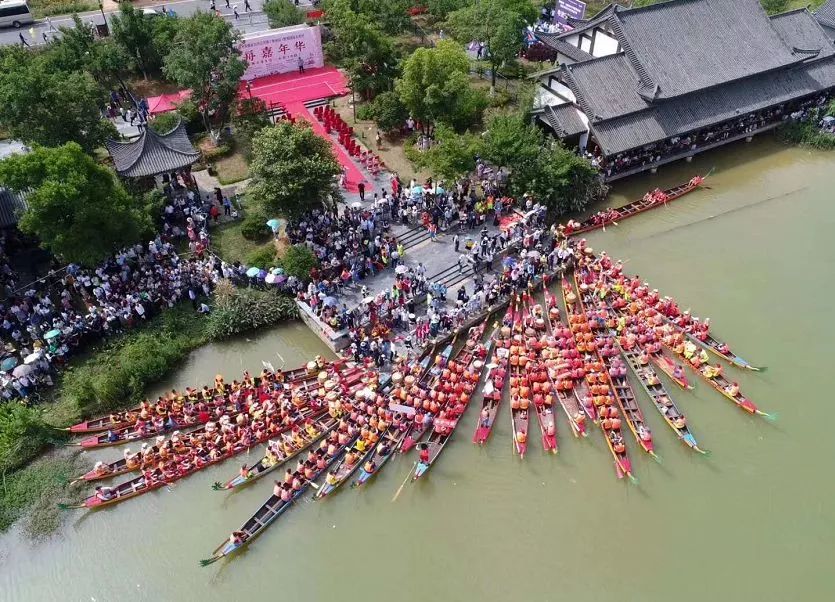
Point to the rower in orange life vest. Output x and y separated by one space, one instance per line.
712 371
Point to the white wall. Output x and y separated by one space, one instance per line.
604 44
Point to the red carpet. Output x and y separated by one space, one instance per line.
352 172
286 88
293 90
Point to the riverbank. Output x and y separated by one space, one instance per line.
114 375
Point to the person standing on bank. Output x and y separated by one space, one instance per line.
301 65
361 188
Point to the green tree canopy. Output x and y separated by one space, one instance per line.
452 155
205 59
78 50
561 179
435 85
389 112
441 8
512 141
76 207
283 13
143 38
43 105
497 23
361 47
293 169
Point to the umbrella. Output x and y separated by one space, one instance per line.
401 269
356 205
277 270
32 357
417 191
509 262
330 302
252 272
368 300
262 274
22 370
52 334
274 224
534 254
271 279
8 363
280 278
439 190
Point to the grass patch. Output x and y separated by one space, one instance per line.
232 168
33 493
45 8
806 134
230 244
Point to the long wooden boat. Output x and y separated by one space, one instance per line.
597 380
123 466
285 449
520 390
266 514
497 378
558 368
543 399
472 366
125 418
152 480
662 400
426 383
618 382
128 435
714 345
650 200
143 484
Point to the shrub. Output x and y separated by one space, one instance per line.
298 261
389 112
239 310
262 257
806 134
22 435
539 52
365 112
282 13
254 226
165 122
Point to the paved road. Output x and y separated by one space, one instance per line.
246 22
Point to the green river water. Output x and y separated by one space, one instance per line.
753 521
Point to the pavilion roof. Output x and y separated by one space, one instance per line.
564 120
151 153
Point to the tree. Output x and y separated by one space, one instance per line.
453 155
78 50
389 113
298 261
362 48
499 24
282 13
511 141
42 105
76 207
293 169
132 30
561 179
441 8
391 16
205 58
435 86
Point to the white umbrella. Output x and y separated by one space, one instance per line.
356 205
22 370
401 269
32 357
368 300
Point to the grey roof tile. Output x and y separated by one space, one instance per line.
151 153
557 43
800 30
682 46
565 120
826 14
713 106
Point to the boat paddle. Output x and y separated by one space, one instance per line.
403 484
